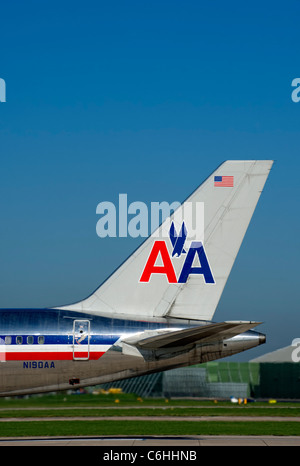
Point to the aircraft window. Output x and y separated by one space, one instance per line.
30 340
8 340
19 340
41 340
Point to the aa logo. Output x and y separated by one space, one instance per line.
196 250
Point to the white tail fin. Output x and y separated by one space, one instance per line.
230 196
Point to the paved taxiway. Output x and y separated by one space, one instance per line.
188 441
158 418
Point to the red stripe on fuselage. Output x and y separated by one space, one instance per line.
47 356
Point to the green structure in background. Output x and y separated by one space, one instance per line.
235 372
221 380
279 380
213 380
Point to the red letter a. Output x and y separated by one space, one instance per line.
167 267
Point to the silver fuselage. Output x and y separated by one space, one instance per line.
44 350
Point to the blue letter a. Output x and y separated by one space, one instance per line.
196 247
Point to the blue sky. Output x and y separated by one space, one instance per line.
145 98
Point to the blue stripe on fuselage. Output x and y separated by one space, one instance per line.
60 339
57 323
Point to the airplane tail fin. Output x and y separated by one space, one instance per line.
180 271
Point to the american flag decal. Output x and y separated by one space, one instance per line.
224 181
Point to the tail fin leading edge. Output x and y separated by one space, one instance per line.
229 196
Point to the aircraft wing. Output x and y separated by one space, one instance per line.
172 340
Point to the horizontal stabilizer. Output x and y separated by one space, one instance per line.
140 344
207 333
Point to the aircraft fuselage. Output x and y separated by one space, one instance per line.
45 350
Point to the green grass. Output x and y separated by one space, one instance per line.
150 412
60 399
138 428
77 406
66 400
